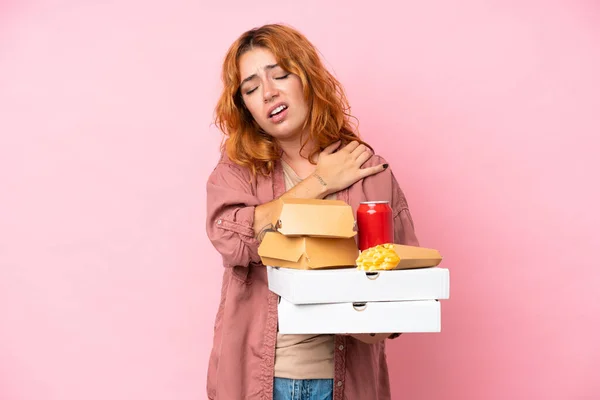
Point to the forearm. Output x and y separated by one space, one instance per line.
313 187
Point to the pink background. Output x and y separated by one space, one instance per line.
488 112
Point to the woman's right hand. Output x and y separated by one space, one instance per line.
339 169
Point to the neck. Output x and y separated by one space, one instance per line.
291 149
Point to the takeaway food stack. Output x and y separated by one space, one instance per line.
327 285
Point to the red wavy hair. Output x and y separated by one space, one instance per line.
246 144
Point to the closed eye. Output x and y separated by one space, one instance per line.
248 92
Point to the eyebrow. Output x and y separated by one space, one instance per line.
267 67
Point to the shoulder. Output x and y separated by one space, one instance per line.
381 185
377 186
375 160
224 160
226 165
227 171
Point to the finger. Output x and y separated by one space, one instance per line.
363 157
332 147
350 147
359 150
364 172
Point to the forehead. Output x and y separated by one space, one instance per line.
255 60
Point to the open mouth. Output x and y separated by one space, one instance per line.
278 110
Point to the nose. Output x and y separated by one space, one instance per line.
269 91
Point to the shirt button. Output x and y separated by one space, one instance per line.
341 347
339 383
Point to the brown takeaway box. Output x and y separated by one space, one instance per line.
304 252
416 257
311 234
317 218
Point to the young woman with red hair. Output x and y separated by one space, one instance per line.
287 134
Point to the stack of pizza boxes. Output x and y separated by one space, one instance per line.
311 259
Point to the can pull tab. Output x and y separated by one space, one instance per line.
359 306
372 275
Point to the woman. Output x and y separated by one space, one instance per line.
288 134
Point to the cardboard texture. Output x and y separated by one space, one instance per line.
305 252
343 318
351 285
416 257
317 218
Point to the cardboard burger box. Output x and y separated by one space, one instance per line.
313 217
311 234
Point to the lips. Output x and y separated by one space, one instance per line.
279 108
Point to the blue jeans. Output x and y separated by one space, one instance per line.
302 389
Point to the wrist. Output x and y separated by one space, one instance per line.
323 187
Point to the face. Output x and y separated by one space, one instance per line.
273 96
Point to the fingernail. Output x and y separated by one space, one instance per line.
385 166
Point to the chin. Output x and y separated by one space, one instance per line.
285 135
284 132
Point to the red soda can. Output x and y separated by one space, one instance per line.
375 224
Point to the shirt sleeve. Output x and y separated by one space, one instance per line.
230 215
404 228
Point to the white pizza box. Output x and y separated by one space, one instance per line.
356 318
352 285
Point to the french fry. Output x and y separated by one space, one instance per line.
380 257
